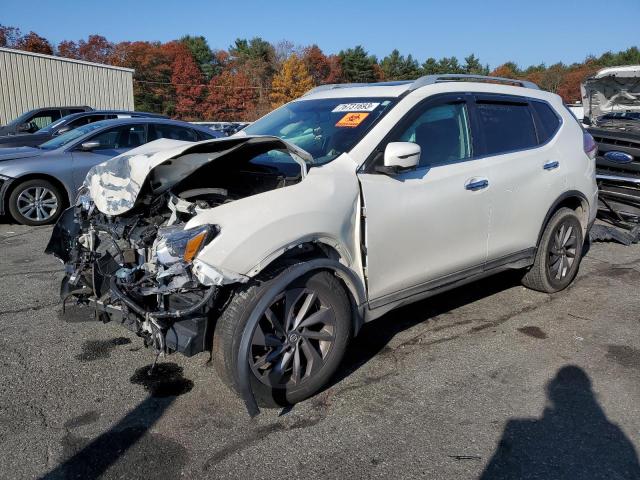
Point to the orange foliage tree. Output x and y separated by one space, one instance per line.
291 82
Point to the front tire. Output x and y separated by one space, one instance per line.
298 343
36 202
559 254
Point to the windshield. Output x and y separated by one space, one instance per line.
325 128
71 135
53 125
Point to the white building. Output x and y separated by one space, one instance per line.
32 80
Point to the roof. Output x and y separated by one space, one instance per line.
63 59
623 71
397 88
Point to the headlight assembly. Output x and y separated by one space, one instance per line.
174 244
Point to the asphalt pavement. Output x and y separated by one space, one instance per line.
488 381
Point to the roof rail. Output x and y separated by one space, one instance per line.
456 77
331 86
428 80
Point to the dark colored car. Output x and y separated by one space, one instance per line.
34 120
612 112
67 123
36 183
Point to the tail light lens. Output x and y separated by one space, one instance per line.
590 145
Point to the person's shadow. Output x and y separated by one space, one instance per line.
572 440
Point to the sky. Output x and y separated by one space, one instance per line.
496 31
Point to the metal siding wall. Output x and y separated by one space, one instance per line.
30 81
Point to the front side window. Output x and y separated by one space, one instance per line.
86 119
442 131
125 136
506 126
326 127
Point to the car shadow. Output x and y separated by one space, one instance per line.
572 440
128 445
375 336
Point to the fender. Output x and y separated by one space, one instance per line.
566 195
349 277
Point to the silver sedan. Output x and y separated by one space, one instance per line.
37 183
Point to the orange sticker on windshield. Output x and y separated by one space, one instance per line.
351 120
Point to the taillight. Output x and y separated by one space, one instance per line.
590 145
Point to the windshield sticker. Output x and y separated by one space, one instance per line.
351 120
356 107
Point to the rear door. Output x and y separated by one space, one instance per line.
525 172
430 224
113 142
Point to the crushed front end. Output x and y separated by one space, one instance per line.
141 270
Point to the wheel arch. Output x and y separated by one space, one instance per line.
35 176
353 287
572 199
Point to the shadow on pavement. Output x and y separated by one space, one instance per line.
374 336
572 440
128 449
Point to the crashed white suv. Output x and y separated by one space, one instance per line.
274 246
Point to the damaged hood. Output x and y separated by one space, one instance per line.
615 89
114 185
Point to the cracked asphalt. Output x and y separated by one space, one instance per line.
488 381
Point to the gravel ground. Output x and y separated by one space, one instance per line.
487 381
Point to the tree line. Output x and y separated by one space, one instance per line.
187 79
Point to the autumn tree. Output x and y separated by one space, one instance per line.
152 88
32 42
201 53
357 65
9 36
231 97
256 59
291 82
187 81
95 49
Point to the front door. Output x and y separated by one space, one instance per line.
430 223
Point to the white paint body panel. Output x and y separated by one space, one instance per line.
420 225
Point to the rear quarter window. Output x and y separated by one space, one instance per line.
547 122
505 126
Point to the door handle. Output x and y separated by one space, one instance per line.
474 184
551 165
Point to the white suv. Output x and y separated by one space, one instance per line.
274 246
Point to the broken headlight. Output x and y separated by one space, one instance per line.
175 244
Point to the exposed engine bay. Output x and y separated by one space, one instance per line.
141 266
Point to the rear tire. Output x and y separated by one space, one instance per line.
559 254
36 202
310 350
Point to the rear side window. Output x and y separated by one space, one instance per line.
506 126
173 132
547 122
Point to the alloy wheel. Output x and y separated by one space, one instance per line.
293 339
562 251
37 203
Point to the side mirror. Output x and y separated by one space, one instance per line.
23 127
88 146
62 130
400 157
